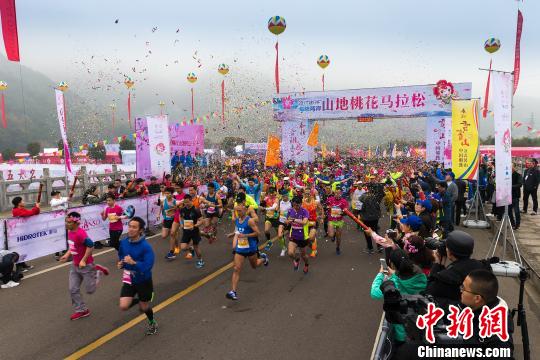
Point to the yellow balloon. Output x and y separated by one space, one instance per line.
191 77
129 83
3 85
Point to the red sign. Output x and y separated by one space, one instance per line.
363 119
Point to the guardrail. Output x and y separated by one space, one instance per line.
30 193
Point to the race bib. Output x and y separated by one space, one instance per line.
113 217
211 210
188 224
126 277
71 246
170 212
243 243
335 211
282 216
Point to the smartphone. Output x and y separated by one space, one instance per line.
383 264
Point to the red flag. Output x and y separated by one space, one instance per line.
223 101
485 111
277 68
129 109
4 120
9 29
323 82
517 66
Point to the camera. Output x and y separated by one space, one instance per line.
392 234
436 244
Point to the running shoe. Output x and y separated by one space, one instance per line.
338 251
188 256
380 249
176 250
265 258
80 314
199 264
268 245
170 255
103 269
296 264
283 252
313 253
152 328
306 268
10 284
231 295
25 267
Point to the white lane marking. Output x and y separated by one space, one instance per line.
377 337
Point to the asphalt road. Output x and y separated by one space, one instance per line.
281 314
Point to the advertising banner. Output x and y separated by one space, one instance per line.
465 139
142 149
294 136
186 138
159 146
153 210
36 236
401 101
502 116
435 139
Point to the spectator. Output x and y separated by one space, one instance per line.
513 209
154 187
189 160
140 187
58 202
453 191
183 158
461 199
131 190
113 212
111 189
415 247
446 200
91 196
119 188
20 211
8 269
532 179
175 160
370 213
422 209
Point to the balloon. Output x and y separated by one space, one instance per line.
492 45
129 83
3 85
191 77
223 69
277 25
62 85
323 61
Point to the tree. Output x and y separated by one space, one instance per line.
229 143
8 154
127 144
97 152
33 148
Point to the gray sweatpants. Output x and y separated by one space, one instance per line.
76 277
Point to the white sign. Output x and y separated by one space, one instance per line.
153 210
256 146
36 236
448 139
502 115
294 136
159 145
402 101
435 139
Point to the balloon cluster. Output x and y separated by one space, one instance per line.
129 83
323 61
3 85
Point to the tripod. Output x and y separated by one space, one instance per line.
522 320
480 221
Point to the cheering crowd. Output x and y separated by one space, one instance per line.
292 207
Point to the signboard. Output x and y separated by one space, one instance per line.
36 236
152 147
187 138
465 139
294 136
502 116
402 101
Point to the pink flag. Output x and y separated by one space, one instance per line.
276 70
485 111
517 66
63 130
9 29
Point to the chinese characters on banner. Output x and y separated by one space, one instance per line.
502 115
142 149
448 139
465 139
187 138
159 145
403 101
435 139
294 136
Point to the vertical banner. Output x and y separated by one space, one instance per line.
36 236
62 122
294 139
142 150
159 145
448 140
517 53
2 234
502 114
313 139
465 139
9 29
435 139
272 157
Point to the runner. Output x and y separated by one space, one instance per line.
297 218
271 219
245 240
312 206
336 205
136 258
167 210
213 205
113 212
191 221
283 207
82 267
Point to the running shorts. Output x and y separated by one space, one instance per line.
167 224
188 236
145 290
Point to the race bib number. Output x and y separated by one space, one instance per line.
282 216
211 210
243 243
335 211
126 277
188 224
113 217
71 246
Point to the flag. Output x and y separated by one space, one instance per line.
369 152
272 152
517 66
313 139
323 151
62 123
485 110
394 151
517 124
276 70
9 29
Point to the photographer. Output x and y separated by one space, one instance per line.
408 279
479 289
444 282
8 271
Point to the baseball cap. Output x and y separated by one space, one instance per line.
425 204
460 243
413 221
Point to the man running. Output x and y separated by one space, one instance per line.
82 267
312 206
271 219
336 205
283 208
213 205
136 258
298 218
245 240
167 210
191 219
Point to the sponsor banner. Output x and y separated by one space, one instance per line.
60 107
435 139
36 236
159 147
294 136
401 101
502 116
465 139
186 138
142 149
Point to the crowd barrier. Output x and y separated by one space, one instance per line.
44 234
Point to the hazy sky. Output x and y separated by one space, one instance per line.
370 44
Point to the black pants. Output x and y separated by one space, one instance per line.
114 240
534 193
513 213
374 225
460 206
7 267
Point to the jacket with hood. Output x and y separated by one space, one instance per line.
412 285
142 253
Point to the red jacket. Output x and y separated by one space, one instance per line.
22 212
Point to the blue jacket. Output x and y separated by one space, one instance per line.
142 253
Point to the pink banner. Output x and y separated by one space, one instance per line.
9 29
60 108
187 138
517 66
